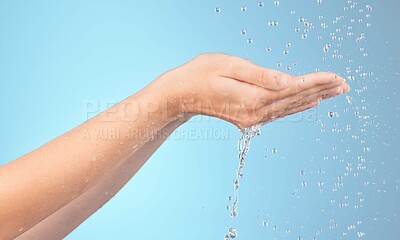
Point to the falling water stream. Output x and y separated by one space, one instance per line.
336 34
243 148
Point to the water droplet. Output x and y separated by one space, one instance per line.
233 213
367 149
232 233
273 23
302 19
360 234
351 77
327 47
265 223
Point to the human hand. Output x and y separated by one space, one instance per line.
240 92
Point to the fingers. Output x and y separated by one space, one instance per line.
346 88
314 101
316 91
249 72
328 93
300 108
310 101
299 102
310 81
282 83
304 107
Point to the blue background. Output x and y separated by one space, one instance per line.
56 56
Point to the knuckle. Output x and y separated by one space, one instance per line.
332 75
236 59
233 63
263 75
209 55
219 62
231 67
202 56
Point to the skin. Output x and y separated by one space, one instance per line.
51 190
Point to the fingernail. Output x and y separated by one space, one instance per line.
347 88
340 90
337 77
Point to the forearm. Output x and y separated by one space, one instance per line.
100 155
62 222
40 183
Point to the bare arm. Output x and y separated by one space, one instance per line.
62 222
66 180
38 184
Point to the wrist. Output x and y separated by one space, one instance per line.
173 89
165 99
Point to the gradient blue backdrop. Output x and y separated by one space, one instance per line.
57 56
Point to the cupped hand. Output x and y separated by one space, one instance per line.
245 94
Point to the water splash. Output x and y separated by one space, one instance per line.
333 37
231 234
243 148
